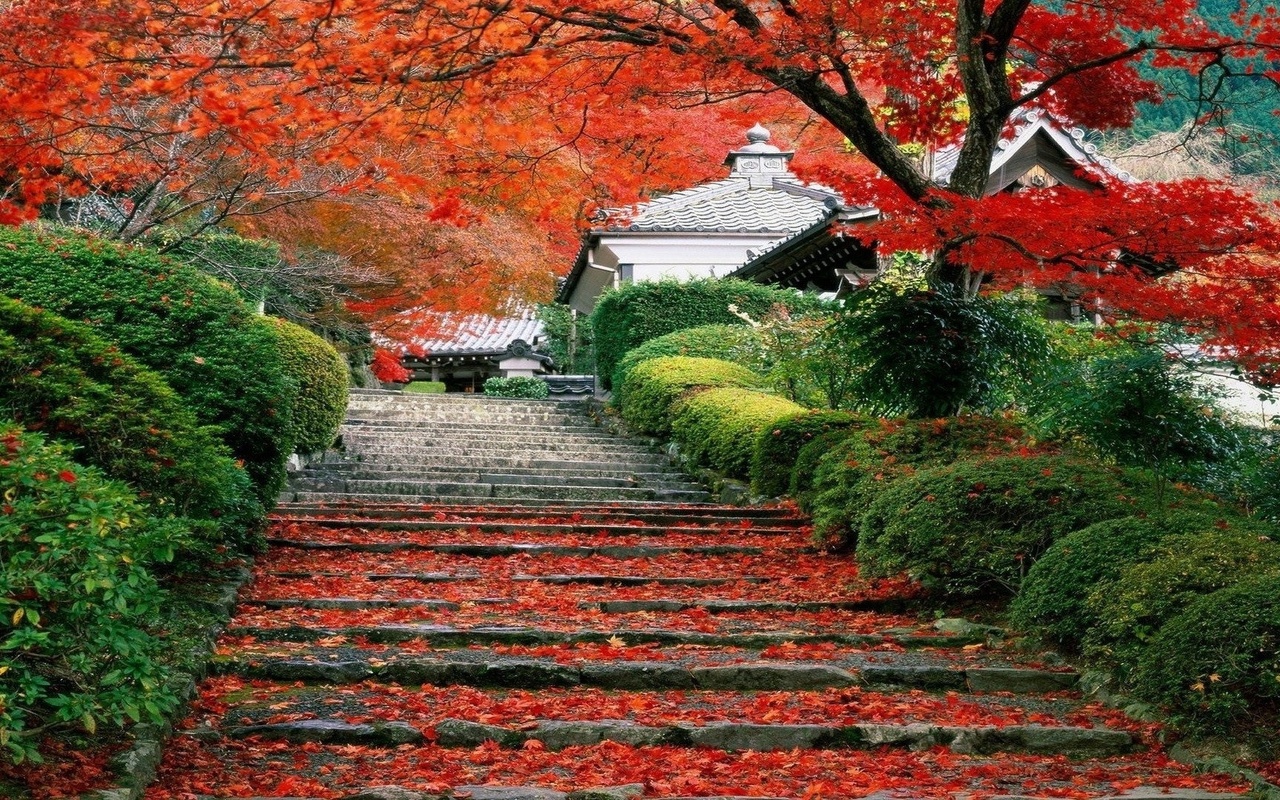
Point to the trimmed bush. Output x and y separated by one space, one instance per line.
739 344
1219 660
653 387
801 485
78 597
525 388
58 376
779 446
1132 608
720 427
859 467
321 375
627 318
1053 601
199 335
977 526
425 387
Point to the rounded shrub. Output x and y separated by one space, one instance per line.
61 378
720 427
632 315
1218 662
1132 608
779 446
425 387
801 485
321 375
977 526
79 599
199 335
1053 599
739 344
653 386
523 388
859 467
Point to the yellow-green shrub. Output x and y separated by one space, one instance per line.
720 427
652 387
321 375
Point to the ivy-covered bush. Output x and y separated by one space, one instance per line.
1053 601
739 344
780 444
58 376
1218 662
976 527
425 387
653 386
632 315
199 335
321 375
720 427
857 468
77 596
1132 608
525 388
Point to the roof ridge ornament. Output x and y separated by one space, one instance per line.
759 161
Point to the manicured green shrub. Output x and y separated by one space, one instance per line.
859 467
739 344
525 388
779 446
78 598
977 526
632 315
58 376
1218 662
720 427
199 335
321 376
653 386
1132 608
1053 601
801 485
425 387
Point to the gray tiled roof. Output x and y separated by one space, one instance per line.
734 205
478 334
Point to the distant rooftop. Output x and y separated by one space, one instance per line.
478 335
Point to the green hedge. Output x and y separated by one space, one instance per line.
976 527
208 344
60 377
1144 596
1053 601
655 385
1218 662
778 448
425 387
810 457
632 315
739 344
321 375
77 596
523 388
719 428
859 467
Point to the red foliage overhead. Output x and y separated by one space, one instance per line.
536 111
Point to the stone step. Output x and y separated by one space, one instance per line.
457 489
337 498
490 433
773 516
561 734
645 462
378 446
478 424
558 580
536 528
397 482
521 549
662 606
412 400
467 467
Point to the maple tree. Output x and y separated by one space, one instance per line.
245 105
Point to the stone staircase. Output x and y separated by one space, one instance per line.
455 448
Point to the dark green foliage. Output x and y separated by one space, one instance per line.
653 387
1131 609
526 388
425 387
567 340
737 343
779 446
1053 600
801 485
60 377
720 427
200 336
935 353
1218 662
321 376
77 596
626 318
976 527
859 467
